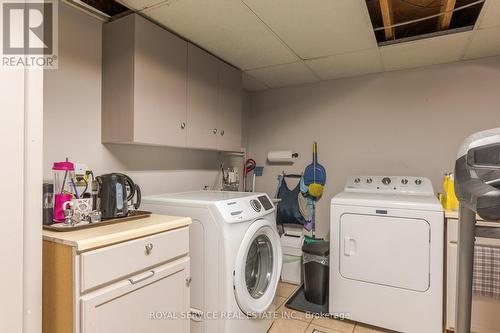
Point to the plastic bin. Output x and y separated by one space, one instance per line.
316 258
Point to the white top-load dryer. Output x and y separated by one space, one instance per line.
236 257
387 254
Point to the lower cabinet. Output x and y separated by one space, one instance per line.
485 311
142 285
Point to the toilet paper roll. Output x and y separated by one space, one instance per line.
280 156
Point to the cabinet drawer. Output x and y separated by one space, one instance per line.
128 305
114 262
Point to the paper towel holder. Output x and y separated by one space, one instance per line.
282 157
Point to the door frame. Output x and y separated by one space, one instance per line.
21 134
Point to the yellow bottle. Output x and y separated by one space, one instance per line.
448 198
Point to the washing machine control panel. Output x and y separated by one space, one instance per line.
390 184
256 205
246 208
266 203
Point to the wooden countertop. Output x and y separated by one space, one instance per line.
105 235
451 214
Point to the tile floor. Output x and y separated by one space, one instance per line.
298 322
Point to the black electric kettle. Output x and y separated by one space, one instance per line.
114 192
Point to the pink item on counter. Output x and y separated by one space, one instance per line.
59 200
63 166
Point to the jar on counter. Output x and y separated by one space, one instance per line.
47 203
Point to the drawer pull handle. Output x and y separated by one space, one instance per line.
135 281
188 281
149 249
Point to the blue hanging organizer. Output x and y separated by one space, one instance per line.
288 211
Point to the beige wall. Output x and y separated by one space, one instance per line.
399 123
72 119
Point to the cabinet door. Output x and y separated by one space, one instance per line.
155 301
201 99
485 318
230 108
160 78
451 284
398 264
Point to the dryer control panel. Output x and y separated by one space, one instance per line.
390 184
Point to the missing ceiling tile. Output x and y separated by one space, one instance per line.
108 7
396 21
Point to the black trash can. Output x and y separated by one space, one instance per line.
316 258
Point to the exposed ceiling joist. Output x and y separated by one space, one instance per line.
387 18
447 10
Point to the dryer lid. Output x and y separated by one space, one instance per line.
411 202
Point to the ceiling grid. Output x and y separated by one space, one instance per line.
287 42
284 44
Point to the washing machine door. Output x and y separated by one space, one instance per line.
257 268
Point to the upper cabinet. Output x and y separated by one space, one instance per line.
229 115
144 84
160 90
202 99
159 85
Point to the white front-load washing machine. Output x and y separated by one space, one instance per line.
235 256
386 266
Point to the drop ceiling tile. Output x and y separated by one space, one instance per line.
485 43
250 83
227 28
349 64
491 15
318 28
140 4
284 75
423 52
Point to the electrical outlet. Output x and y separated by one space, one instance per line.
82 172
81 169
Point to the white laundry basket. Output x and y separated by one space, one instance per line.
291 245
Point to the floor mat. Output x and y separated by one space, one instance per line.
299 302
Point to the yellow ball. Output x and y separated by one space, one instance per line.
315 190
